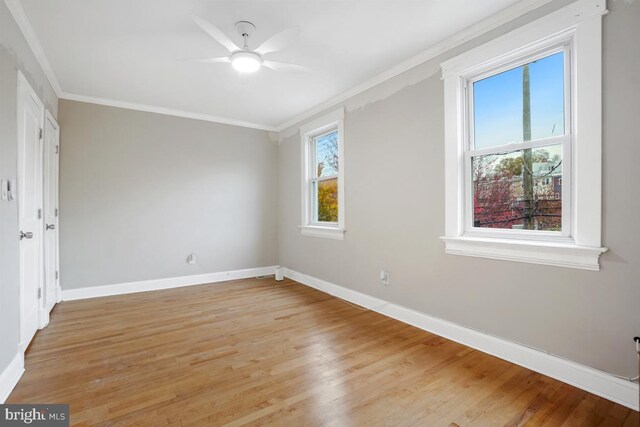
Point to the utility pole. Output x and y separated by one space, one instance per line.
527 155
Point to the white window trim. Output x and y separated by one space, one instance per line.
580 25
329 121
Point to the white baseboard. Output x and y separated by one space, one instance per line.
586 378
10 376
157 284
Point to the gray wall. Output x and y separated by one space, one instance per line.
394 177
141 191
14 55
133 181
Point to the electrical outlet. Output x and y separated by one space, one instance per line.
384 277
192 259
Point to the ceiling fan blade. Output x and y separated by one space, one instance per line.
208 60
214 32
284 66
279 41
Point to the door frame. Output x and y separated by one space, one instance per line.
25 88
57 293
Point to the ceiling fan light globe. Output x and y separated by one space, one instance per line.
246 62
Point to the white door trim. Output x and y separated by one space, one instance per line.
51 283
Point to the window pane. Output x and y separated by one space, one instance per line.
519 190
326 200
499 103
326 154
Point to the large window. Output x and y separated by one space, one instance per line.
322 177
519 146
523 143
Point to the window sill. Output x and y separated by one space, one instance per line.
535 252
320 231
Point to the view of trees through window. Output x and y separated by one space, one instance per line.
522 188
326 180
500 198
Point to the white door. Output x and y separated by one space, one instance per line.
30 117
51 150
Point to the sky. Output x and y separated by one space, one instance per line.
498 103
324 150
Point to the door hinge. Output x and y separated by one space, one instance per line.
57 149
57 275
41 134
39 293
56 212
39 213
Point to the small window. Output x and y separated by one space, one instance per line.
324 183
323 177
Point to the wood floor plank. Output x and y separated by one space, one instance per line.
261 352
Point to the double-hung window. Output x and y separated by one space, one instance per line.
323 177
523 143
518 143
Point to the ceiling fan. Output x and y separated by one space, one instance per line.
245 59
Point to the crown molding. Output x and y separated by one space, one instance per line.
19 15
164 110
459 38
490 23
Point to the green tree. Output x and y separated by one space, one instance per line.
512 166
328 200
328 189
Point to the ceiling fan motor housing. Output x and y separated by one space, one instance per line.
246 61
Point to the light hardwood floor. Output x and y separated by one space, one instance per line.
260 352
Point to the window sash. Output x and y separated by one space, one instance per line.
548 51
323 178
325 133
560 236
312 179
565 140
510 148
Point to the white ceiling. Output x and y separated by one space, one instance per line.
131 51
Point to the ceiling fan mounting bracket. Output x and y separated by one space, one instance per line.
245 28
